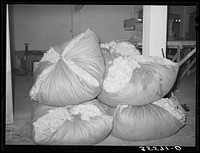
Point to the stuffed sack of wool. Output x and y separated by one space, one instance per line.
71 73
131 78
157 120
83 124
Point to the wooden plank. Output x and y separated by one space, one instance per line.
178 53
191 71
174 44
187 69
181 43
175 57
187 57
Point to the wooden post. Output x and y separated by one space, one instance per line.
179 48
154 30
9 96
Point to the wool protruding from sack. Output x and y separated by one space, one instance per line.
71 73
86 123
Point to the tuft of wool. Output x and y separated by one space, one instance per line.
50 122
123 48
171 107
119 74
54 118
86 111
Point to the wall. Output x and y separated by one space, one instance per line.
47 25
41 25
183 11
107 21
136 35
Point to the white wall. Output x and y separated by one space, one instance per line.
41 25
47 25
154 30
107 21
136 35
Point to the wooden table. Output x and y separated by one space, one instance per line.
180 46
33 56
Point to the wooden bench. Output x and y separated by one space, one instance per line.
181 56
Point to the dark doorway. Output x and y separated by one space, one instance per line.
192 23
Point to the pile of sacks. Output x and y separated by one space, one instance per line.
67 82
133 91
85 90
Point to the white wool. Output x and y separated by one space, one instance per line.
127 49
123 48
171 107
50 122
51 56
119 74
86 111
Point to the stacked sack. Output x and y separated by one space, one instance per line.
85 91
67 81
133 91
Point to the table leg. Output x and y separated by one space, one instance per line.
178 54
188 68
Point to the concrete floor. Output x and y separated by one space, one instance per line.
19 132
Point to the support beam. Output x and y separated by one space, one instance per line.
9 96
154 30
184 22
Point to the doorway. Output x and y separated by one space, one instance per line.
192 23
173 26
